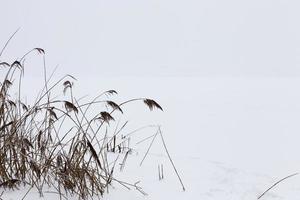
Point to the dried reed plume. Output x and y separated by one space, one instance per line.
56 143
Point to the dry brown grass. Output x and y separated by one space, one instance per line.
57 143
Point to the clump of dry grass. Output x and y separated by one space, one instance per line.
57 143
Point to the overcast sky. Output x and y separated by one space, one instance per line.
158 37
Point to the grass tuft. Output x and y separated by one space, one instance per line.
58 143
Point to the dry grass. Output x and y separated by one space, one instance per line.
57 143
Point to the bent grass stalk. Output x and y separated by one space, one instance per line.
55 142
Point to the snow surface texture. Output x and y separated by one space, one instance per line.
229 138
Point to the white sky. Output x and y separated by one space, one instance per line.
158 37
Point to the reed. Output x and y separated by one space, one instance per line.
58 143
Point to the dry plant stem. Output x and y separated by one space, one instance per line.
145 139
149 147
265 192
36 150
27 192
7 42
165 146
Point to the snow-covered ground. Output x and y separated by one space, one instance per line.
230 138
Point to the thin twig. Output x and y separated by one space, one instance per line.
149 148
165 146
260 196
11 37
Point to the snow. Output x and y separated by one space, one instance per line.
230 138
